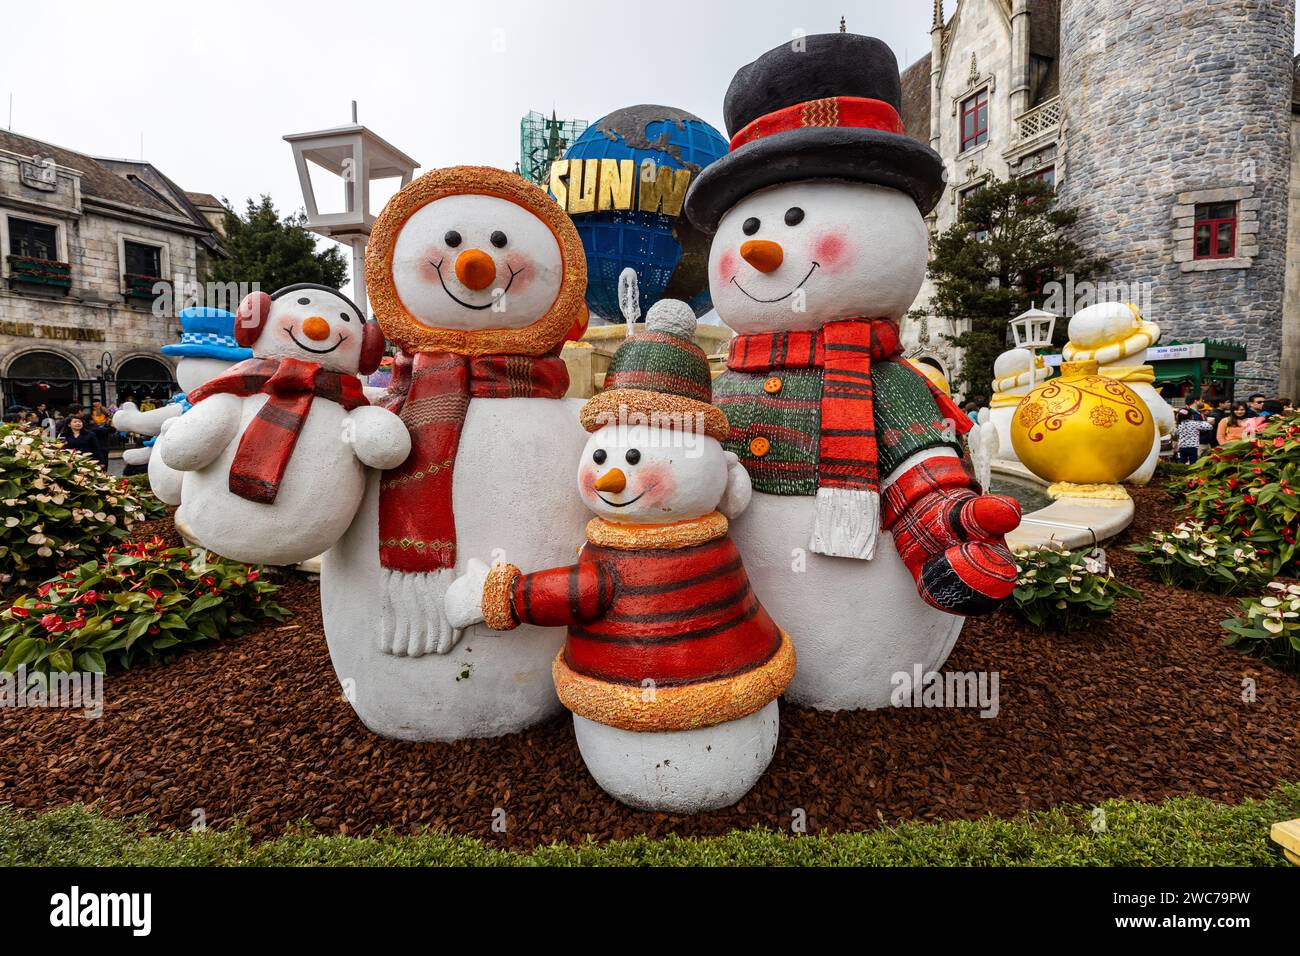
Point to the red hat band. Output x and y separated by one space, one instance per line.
835 111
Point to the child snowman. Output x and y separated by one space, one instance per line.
277 448
820 247
206 349
671 666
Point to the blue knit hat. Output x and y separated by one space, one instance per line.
208 333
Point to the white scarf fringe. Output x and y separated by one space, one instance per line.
413 622
848 523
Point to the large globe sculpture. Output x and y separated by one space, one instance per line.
643 226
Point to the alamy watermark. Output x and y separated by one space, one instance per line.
1068 297
919 688
181 293
72 690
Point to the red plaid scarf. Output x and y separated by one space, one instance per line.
267 443
430 391
844 350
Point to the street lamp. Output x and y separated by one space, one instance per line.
1032 330
357 157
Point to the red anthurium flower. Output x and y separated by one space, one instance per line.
19 611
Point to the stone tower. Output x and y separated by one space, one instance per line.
1172 115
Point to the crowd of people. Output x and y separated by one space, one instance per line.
1203 424
82 429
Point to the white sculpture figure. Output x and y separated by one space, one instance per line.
1115 336
1015 373
867 536
478 276
671 666
983 442
277 449
206 349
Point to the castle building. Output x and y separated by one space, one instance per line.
1169 129
85 246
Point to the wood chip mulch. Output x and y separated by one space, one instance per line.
1147 706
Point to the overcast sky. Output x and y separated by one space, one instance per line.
213 87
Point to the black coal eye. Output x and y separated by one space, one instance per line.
498 238
599 456
304 301
632 456
452 238
750 226
793 216
345 317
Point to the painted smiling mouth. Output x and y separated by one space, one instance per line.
437 266
308 348
615 504
811 270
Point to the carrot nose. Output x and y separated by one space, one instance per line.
315 328
475 269
613 480
763 254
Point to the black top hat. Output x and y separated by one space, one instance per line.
821 106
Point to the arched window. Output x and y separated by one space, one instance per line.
141 377
36 378
43 365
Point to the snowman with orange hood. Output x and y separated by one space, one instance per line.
868 537
478 278
277 448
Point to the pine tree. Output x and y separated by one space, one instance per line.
273 252
1010 239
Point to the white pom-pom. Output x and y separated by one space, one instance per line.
672 316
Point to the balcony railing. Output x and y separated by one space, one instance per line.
1043 118
29 270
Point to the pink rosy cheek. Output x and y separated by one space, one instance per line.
831 250
524 269
727 265
659 483
587 482
427 271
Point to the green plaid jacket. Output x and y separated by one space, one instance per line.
907 421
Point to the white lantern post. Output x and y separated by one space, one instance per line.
1032 330
357 157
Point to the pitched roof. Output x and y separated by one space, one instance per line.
204 200
97 180
916 99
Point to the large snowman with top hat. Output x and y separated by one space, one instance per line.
477 276
206 349
868 537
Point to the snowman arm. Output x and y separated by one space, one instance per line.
379 438
736 496
197 438
129 418
950 537
552 598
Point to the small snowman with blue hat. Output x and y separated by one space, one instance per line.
206 349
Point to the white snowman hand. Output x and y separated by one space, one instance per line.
378 438
739 490
464 602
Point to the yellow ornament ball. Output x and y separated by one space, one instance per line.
1082 428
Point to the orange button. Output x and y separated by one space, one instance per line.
772 385
759 446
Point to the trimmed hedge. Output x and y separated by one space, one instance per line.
1188 831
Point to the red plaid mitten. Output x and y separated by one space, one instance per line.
951 537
